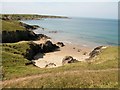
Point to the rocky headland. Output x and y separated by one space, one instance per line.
27 17
43 52
27 57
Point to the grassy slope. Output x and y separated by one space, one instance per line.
11 26
72 75
14 57
14 67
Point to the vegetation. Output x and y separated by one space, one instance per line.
13 31
15 56
97 74
11 26
100 72
25 48
27 16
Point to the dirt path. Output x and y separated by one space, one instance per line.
50 74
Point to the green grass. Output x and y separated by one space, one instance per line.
11 26
17 48
113 63
71 80
15 55
108 59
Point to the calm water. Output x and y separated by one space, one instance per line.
83 31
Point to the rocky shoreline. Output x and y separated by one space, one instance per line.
48 54
27 17
20 35
49 46
63 54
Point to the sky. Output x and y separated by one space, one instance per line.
92 9
60 0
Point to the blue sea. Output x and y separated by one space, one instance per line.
89 32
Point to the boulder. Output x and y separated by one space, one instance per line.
35 26
96 51
79 50
29 27
73 47
41 36
68 59
48 46
60 44
85 53
53 31
50 65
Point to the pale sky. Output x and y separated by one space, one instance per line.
59 0
77 9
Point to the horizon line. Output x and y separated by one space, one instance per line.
63 16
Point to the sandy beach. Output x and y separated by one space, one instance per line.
78 52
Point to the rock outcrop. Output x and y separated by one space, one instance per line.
29 27
68 59
50 65
48 46
96 51
53 31
60 44
42 36
18 35
85 53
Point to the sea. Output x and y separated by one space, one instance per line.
88 32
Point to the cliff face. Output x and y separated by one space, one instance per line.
14 31
18 35
29 27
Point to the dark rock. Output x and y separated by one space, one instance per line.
73 47
60 44
35 26
43 28
85 53
68 59
29 63
29 27
96 51
6 17
79 50
40 36
98 48
52 31
48 47
18 35
34 49
50 65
